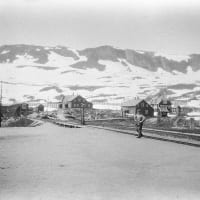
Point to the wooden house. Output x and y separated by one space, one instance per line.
137 105
71 101
179 107
161 106
15 110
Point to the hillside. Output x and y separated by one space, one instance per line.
102 74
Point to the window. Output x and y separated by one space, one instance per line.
146 112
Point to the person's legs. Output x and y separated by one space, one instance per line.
137 129
140 131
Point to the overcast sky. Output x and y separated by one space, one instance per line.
169 26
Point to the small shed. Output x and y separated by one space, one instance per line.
39 108
137 105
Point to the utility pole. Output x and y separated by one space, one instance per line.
1 115
47 105
1 93
82 114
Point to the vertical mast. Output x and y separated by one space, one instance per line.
1 100
1 94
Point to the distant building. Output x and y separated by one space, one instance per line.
161 106
134 105
39 108
181 110
71 101
15 110
176 110
48 105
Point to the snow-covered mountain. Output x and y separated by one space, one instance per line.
102 74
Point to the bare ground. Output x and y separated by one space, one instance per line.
51 162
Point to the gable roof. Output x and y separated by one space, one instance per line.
131 102
158 100
70 97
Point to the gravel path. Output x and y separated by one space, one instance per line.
51 162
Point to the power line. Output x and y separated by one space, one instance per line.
23 83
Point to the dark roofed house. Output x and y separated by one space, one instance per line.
15 110
134 105
77 101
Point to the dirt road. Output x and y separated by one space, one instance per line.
51 162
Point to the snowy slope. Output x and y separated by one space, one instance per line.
102 74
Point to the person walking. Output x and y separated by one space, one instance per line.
139 123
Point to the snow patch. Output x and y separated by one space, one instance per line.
47 48
173 56
106 106
24 60
141 52
57 47
189 70
5 52
194 103
57 60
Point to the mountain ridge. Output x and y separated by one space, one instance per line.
52 71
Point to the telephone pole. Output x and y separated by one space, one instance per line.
1 95
1 92
82 114
1 115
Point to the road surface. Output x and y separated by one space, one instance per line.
50 162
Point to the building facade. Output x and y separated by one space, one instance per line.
137 105
78 101
161 106
15 110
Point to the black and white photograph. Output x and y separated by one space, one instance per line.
99 99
